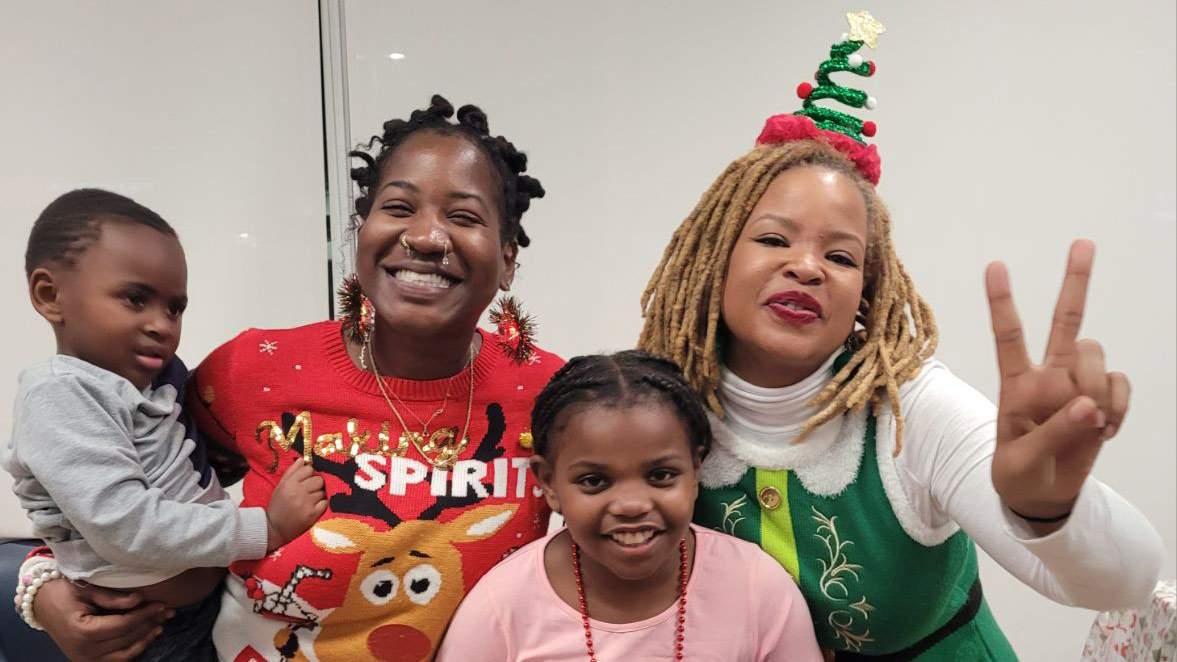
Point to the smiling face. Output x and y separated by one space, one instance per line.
625 479
794 280
430 254
120 305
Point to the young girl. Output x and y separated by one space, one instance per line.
842 447
102 456
618 442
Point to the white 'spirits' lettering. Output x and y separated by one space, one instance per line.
508 476
380 464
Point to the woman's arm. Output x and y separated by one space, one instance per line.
94 624
1105 555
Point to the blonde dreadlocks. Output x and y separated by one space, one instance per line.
894 333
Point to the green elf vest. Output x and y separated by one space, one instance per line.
875 593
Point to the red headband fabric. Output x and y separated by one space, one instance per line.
786 128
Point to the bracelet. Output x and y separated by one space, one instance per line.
34 572
1041 520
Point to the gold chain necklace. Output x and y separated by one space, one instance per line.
438 412
445 444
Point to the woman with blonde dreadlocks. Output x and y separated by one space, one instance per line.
843 447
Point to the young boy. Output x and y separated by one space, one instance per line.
101 454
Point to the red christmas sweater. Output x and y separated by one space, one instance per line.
381 573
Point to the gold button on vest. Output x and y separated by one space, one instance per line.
770 497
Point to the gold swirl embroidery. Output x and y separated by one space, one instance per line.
836 571
842 622
730 513
862 607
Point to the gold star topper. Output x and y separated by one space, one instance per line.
865 28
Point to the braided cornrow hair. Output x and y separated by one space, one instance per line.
518 189
617 380
73 222
895 331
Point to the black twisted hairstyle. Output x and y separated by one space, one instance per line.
618 380
517 188
73 222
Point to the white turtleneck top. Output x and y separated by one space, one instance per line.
1106 556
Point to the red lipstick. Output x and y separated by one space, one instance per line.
795 307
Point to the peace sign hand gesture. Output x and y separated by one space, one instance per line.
1052 417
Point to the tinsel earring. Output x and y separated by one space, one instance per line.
357 314
516 330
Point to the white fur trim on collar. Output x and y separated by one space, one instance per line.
721 468
826 462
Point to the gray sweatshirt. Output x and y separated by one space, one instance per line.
104 472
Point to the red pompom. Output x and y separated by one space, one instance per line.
804 90
868 129
873 68
253 589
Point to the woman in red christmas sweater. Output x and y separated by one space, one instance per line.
415 417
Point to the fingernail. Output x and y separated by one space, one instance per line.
170 613
1101 419
1110 431
1080 410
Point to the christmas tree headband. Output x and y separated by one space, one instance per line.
844 132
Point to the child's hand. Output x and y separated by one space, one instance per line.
296 504
1052 417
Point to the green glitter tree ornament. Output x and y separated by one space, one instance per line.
842 131
844 56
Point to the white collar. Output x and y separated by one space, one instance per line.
760 425
771 410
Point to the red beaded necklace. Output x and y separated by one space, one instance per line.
680 627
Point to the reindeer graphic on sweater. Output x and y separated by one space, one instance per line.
410 569
407 584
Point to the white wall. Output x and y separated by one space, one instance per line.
1006 129
207 112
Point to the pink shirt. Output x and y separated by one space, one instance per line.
741 607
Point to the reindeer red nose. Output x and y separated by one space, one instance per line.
398 643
